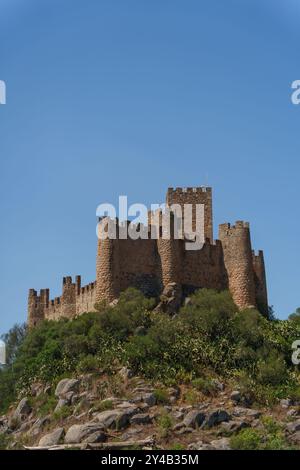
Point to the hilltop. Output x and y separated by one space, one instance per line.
128 375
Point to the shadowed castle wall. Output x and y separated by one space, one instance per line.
205 268
260 282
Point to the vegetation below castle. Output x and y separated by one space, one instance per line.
208 339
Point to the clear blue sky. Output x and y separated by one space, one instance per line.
109 97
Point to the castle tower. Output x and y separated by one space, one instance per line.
193 196
36 306
260 282
169 250
237 252
68 298
107 269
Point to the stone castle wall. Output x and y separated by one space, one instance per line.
74 301
152 264
194 196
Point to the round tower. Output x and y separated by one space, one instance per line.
169 250
107 264
237 254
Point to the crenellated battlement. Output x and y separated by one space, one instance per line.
189 190
74 300
87 288
150 263
239 224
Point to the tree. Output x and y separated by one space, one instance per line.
13 339
295 316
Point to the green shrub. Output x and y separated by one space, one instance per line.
177 446
4 441
62 413
270 437
208 334
204 385
103 405
88 363
271 370
246 439
44 404
273 435
161 396
209 311
131 311
165 423
191 397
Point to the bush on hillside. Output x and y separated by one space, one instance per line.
208 336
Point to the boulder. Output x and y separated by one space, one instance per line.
36 389
149 398
69 396
184 430
295 438
126 405
194 419
25 426
114 418
221 444
126 373
246 412
86 381
200 445
47 390
174 392
216 417
286 403
97 436
234 426
65 386
178 414
170 299
293 427
236 396
4 424
292 413
23 408
219 385
22 411
61 402
178 426
142 388
52 438
89 432
38 425
141 418
130 433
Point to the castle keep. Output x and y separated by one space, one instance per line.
153 264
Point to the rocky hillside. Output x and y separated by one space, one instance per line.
133 375
124 411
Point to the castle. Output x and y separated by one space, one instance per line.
152 264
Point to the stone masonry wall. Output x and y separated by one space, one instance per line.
237 254
260 282
151 264
74 301
194 196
